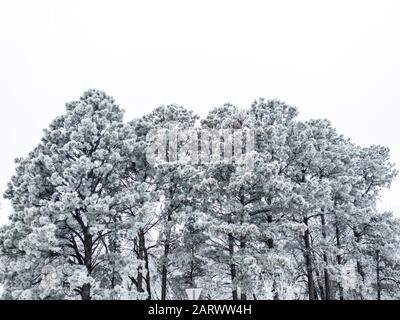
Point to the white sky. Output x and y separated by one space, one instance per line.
333 59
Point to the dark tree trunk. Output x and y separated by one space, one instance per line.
308 261
360 268
141 250
88 248
165 261
148 277
85 292
164 271
270 244
378 276
231 242
339 261
326 273
192 266
275 290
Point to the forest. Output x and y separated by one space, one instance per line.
94 219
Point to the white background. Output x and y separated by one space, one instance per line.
332 59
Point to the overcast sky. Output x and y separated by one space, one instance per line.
332 59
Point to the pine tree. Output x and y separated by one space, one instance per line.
65 198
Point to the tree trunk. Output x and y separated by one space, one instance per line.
88 248
231 242
339 261
360 268
270 244
165 262
164 272
141 249
378 276
192 266
148 277
326 273
308 261
85 292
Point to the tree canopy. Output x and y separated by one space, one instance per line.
93 218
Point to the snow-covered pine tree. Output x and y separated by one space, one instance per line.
63 239
173 180
245 207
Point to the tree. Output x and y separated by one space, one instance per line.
65 196
171 178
